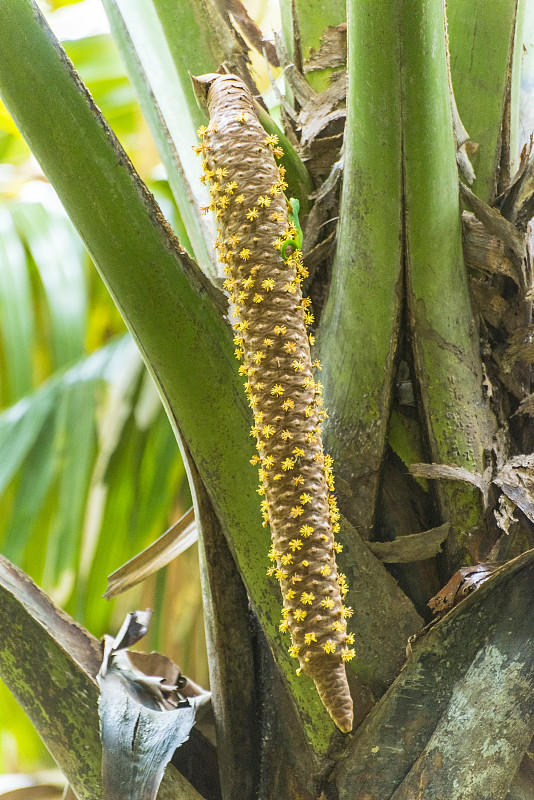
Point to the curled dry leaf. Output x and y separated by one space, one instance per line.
526 406
157 555
520 348
143 720
504 515
251 31
517 201
451 473
322 125
495 222
414 547
332 50
462 583
486 252
516 480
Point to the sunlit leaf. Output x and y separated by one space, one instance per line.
16 317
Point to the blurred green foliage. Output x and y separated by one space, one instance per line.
90 471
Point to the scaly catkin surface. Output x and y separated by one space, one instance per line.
269 317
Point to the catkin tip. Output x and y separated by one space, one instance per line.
334 692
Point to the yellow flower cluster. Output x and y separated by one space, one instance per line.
286 401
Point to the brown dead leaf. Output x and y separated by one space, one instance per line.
484 251
452 473
495 222
251 31
462 583
317 115
157 555
526 406
517 201
38 791
332 51
488 299
504 515
414 547
520 348
516 480
143 720
300 87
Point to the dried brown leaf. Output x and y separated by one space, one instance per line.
251 31
38 791
157 555
495 222
504 515
516 480
414 547
526 406
488 300
332 51
143 720
520 348
517 200
452 473
485 251
300 87
462 583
